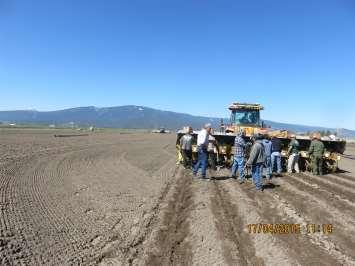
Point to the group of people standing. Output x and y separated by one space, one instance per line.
265 155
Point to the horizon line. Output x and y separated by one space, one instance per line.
142 106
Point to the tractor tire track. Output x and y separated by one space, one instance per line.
316 210
345 176
238 249
170 246
336 189
267 248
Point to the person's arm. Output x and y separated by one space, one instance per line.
181 140
311 149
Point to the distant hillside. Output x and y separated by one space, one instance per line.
117 117
131 116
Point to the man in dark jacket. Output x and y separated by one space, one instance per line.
316 151
268 150
256 161
276 155
186 147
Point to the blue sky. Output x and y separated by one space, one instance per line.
297 58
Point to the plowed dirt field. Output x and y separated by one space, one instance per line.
120 199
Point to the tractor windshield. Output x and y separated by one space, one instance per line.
245 117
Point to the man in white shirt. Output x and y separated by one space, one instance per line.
202 145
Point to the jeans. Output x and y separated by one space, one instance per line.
276 159
257 175
238 164
202 160
293 163
268 167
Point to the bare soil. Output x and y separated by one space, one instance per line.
120 199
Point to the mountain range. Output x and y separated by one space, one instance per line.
131 116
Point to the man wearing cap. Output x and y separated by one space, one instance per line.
186 147
202 153
239 156
256 161
293 151
316 151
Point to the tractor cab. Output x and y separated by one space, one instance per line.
245 116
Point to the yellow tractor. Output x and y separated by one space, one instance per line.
247 117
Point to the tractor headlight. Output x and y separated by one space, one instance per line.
283 153
338 157
327 154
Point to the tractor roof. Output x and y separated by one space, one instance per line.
245 106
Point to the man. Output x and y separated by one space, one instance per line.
276 155
186 147
239 156
293 151
316 151
268 150
202 155
256 161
